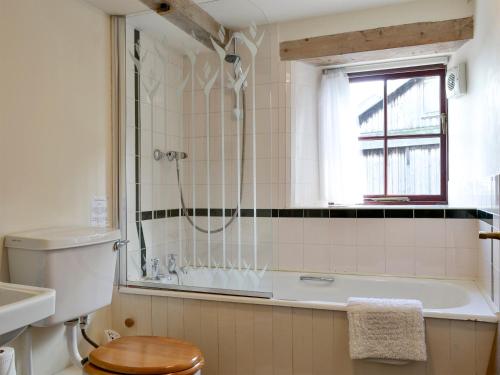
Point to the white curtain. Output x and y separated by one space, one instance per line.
342 177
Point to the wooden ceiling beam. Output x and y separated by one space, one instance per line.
410 38
189 17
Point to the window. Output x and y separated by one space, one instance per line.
402 133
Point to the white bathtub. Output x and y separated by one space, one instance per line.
450 299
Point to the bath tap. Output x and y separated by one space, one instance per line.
155 268
172 267
172 263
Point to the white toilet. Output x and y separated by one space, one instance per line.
79 263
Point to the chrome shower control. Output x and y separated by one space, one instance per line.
170 155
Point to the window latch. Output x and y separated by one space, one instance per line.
444 123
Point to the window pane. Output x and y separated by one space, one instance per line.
368 100
373 157
414 166
414 105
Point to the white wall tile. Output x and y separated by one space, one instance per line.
484 266
317 231
290 257
134 271
496 252
371 259
462 233
132 236
400 260
370 232
484 261
400 232
343 259
317 258
461 263
496 287
430 233
146 197
343 232
430 261
290 230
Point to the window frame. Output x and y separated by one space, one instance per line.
410 72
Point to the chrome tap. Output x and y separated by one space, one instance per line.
172 267
172 263
155 268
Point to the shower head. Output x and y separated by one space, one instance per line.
235 59
232 58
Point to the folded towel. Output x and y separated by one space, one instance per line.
390 329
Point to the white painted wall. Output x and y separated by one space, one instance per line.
398 14
474 124
55 126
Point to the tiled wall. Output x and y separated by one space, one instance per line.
488 271
394 242
270 127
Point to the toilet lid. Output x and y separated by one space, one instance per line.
147 355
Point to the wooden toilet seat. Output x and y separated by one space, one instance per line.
145 355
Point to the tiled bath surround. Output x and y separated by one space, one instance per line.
405 242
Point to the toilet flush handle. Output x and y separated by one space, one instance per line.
118 244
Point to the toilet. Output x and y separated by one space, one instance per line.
79 263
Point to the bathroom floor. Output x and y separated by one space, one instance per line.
70 371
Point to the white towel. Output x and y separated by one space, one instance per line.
391 329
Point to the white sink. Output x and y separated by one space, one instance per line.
22 305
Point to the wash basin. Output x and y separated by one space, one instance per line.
22 305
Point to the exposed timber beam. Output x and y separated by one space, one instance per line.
189 17
402 41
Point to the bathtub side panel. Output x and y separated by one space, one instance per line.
282 340
263 339
274 340
322 341
438 340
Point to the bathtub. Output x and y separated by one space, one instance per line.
447 299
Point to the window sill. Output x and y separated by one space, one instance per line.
383 206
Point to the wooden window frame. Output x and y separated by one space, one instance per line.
411 72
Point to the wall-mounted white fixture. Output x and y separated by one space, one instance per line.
456 82
78 263
46 258
22 305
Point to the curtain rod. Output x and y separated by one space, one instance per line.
390 64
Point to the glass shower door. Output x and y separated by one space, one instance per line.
200 166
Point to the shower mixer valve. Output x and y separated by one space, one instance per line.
170 155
